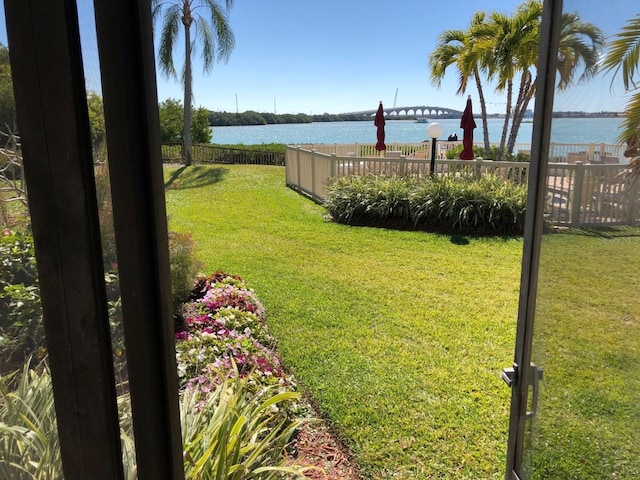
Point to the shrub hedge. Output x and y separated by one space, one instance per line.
487 205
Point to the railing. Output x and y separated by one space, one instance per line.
579 194
558 152
206 154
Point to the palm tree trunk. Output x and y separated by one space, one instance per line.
483 110
527 89
507 117
186 133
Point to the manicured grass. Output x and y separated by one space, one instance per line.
588 345
399 336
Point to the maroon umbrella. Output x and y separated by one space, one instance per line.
467 124
379 122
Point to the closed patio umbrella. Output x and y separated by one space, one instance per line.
467 124
379 123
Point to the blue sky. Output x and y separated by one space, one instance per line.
295 56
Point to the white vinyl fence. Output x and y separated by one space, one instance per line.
579 193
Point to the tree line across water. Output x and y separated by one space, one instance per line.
250 117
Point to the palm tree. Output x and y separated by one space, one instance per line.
458 47
501 38
623 58
514 43
579 47
216 39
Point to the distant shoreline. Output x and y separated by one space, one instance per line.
554 115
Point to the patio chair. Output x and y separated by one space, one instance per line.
609 160
573 157
612 199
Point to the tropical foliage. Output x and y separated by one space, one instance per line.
228 433
503 49
236 402
216 40
458 47
623 58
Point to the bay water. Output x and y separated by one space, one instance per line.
564 130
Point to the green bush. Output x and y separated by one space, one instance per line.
21 323
479 152
21 329
462 203
455 152
184 266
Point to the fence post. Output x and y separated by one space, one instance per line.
576 194
313 173
591 150
478 168
634 202
402 164
334 163
298 164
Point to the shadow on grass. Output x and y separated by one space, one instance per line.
618 231
459 240
194 177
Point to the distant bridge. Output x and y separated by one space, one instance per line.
417 111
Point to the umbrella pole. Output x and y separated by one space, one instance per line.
432 165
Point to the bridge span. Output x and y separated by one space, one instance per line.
417 111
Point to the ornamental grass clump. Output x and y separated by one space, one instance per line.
369 198
232 433
462 203
229 432
29 445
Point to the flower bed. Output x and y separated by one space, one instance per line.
222 338
223 333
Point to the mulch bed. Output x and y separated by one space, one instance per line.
316 445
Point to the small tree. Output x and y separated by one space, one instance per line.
171 122
96 119
7 102
200 127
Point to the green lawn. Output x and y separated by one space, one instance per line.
588 345
400 337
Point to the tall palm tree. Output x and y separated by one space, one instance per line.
623 58
458 47
501 38
580 46
515 41
216 39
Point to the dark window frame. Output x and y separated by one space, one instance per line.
53 124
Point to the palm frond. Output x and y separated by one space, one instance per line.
168 39
624 53
204 31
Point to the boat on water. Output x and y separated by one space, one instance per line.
422 120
